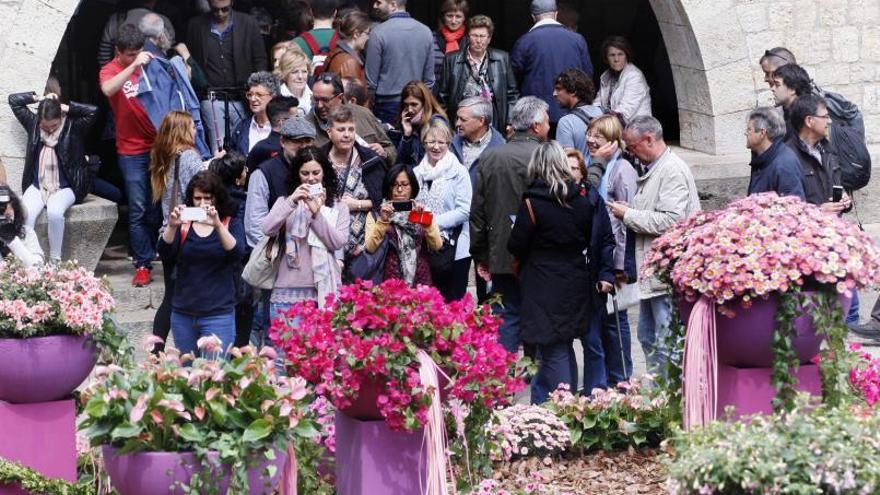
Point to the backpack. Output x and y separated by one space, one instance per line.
852 155
843 112
319 53
580 113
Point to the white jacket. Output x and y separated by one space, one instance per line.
666 195
629 94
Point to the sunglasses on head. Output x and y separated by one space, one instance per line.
221 10
768 53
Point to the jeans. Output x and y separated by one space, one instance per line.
618 361
56 206
655 315
595 375
852 318
387 110
105 189
260 326
144 216
214 118
557 365
511 299
453 283
187 330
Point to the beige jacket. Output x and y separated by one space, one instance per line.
629 94
666 195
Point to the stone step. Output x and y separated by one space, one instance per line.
137 325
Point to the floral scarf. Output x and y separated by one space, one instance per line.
407 245
351 182
49 175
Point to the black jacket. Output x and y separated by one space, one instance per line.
818 177
499 75
262 151
778 170
249 53
70 148
373 170
554 277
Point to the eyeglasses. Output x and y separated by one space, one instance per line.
478 36
401 185
221 10
251 95
325 99
826 117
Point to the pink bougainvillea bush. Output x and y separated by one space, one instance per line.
865 375
50 300
759 245
373 334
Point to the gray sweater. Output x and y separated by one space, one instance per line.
400 50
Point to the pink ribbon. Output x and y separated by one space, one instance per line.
700 373
289 475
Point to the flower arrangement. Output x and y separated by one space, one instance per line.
759 245
239 407
528 430
865 376
811 449
373 334
62 299
636 413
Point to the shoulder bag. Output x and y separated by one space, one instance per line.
262 266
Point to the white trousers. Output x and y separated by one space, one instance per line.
56 207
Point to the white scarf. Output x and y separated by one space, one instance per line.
434 197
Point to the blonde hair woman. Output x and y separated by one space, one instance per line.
445 190
293 72
553 228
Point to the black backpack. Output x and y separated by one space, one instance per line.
853 156
843 112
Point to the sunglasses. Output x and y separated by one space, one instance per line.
221 10
768 53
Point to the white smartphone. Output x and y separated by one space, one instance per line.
194 214
315 189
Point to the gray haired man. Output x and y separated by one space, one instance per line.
774 165
666 194
475 134
501 181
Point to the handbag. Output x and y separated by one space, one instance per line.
441 260
262 266
627 296
369 266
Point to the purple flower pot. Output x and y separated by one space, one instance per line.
746 340
43 369
163 473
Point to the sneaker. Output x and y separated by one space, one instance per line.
870 328
142 277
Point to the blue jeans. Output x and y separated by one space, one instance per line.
594 355
655 314
511 300
387 111
557 365
187 330
618 365
144 216
261 322
852 318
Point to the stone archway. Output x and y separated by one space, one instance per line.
713 68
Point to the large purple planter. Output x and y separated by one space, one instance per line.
44 369
746 340
163 473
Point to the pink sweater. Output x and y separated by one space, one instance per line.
334 237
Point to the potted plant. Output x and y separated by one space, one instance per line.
54 320
365 343
780 267
207 427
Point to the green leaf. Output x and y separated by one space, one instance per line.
190 433
257 430
126 430
97 407
576 434
306 430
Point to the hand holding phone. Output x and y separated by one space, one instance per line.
194 214
836 193
315 190
402 205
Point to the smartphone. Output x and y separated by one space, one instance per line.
836 193
402 205
194 214
315 189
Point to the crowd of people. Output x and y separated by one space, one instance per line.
388 151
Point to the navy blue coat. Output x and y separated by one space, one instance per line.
778 170
541 54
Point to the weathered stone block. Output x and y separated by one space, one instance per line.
692 90
864 12
719 44
810 47
697 130
731 87
872 129
870 43
669 12
833 13
871 101
845 44
807 11
753 17
832 73
86 231
681 44
729 132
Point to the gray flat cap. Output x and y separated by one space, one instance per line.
543 6
297 128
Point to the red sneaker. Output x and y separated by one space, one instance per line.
142 277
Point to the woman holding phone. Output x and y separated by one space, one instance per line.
205 242
418 108
409 230
312 226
